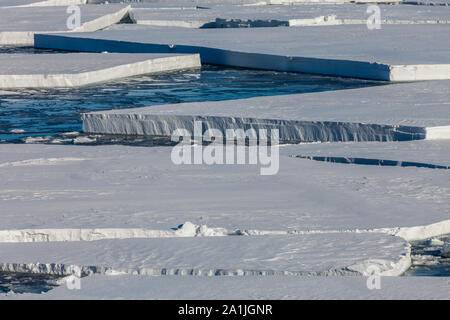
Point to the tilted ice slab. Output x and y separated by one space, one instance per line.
232 288
315 254
19 24
235 16
394 53
126 188
395 112
77 69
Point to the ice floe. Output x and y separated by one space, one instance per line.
366 114
356 50
315 254
134 187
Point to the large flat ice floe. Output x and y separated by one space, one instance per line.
77 69
404 111
315 254
19 24
393 53
58 187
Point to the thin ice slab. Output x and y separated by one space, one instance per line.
394 52
77 69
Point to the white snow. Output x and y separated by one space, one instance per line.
438 133
77 69
394 52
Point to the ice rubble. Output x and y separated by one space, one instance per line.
446 250
77 69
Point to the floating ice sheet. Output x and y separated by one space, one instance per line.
317 254
46 186
394 112
394 52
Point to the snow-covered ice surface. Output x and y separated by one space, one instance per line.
234 16
394 52
19 24
46 187
120 203
130 216
76 69
315 254
345 115
274 287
